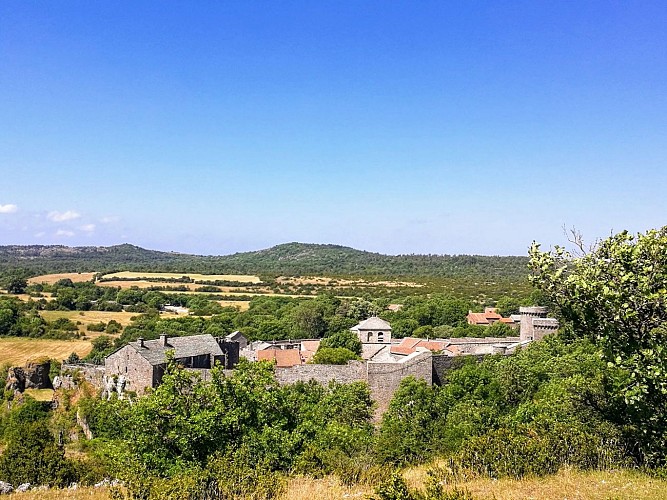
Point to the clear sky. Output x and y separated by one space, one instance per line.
394 126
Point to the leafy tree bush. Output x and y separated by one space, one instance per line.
96 327
32 456
345 339
333 356
616 296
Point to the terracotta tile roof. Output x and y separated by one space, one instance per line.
284 358
509 321
409 345
477 319
310 345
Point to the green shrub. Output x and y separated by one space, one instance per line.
333 356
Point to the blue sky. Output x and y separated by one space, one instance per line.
397 127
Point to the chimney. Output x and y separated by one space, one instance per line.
141 342
163 340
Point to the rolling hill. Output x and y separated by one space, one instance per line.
288 258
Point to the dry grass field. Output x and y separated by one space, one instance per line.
242 278
341 283
18 350
242 305
567 484
52 278
87 317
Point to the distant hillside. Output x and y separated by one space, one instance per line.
289 258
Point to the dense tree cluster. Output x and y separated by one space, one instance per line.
290 259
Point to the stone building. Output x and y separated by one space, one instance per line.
143 362
373 330
535 324
488 317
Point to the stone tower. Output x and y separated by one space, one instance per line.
528 314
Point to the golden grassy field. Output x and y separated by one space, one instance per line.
340 283
52 278
567 484
243 278
87 317
18 350
242 305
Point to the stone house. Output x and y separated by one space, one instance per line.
373 330
238 337
488 317
142 363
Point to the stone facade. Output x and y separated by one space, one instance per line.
137 370
93 374
535 324
384 377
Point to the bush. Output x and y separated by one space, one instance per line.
96 327
32 456
333 356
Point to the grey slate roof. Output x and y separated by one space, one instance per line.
194 345
373 323
235 336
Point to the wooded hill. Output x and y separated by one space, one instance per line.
288 258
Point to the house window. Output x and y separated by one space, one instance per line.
380 337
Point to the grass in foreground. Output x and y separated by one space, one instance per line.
567 484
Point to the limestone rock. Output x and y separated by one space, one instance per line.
5 488
34 375
23 487
15 379
37 374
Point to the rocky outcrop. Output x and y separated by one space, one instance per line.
5 488
34 375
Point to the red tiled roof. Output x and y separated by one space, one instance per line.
310 345
284 357
409 345
477 319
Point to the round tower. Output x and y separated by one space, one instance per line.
526 331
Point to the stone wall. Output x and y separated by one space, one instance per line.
443 364
384 378
92 374
354 371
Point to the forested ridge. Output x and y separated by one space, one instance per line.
288 258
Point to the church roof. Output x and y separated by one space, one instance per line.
372 323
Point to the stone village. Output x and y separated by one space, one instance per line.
140 365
